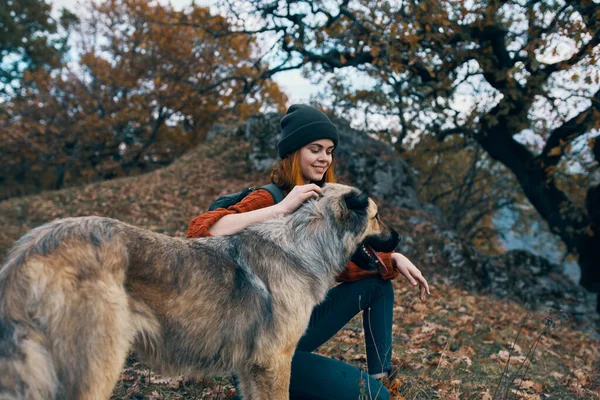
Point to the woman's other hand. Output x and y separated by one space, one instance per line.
298 195
411 273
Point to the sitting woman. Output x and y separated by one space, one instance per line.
306 150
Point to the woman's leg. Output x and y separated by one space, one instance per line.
315 377
373 295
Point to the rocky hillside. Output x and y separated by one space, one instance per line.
478 303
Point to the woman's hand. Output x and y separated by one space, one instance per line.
298 195
411 273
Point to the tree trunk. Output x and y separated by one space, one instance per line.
579 231
591 246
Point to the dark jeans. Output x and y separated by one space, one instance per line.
320 378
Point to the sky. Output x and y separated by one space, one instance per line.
297 88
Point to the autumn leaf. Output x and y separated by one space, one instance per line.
555 151
557 375
528 384
486 395
155 396
503 356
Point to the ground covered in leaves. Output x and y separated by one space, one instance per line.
456 345
453 346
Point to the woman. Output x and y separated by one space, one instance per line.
306 150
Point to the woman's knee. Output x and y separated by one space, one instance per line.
375 290
387 287
382 287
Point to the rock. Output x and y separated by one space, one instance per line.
417 219
406 245
263 131
461 263
516 275
434 211
534 280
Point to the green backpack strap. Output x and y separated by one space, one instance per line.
275 191
228 200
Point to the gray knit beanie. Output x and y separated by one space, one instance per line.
303 124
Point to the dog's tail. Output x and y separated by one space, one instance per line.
26 368
64 313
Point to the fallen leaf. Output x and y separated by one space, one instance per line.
155 396
486 395
524 384
516 348
503 356
463 359
557 375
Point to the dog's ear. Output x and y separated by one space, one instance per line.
357 202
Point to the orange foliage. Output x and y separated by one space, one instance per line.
150 83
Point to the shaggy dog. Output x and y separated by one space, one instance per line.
77 294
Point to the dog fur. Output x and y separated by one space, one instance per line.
77 294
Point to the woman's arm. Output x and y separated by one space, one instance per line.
233 223
202 225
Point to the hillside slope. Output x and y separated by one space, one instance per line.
453 346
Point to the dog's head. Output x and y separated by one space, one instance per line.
356 217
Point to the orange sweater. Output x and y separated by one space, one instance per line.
261 198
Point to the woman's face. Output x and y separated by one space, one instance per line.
315 158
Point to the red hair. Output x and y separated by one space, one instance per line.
287 173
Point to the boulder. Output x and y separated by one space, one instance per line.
534 280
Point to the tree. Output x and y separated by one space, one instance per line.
149 84
528 67
29 39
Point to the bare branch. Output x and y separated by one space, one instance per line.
570 130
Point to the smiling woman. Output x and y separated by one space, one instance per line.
315 158
306 148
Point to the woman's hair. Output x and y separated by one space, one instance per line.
287 173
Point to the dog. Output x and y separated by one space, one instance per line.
78 293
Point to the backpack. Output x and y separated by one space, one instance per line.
228 200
